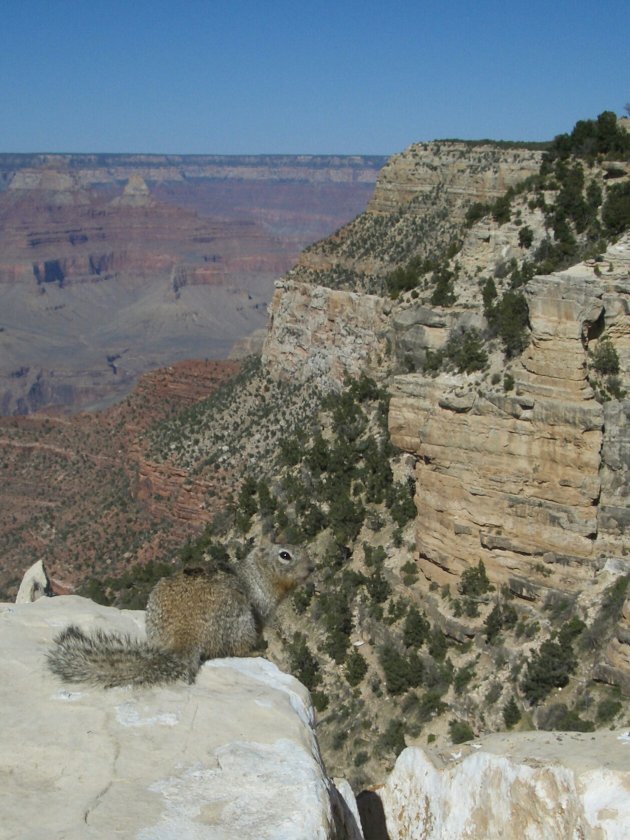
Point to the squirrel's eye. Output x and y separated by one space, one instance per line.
284 555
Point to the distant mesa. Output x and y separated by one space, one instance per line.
61 188
135 194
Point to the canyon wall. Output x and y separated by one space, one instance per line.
419 204
522 466
512 479
466 172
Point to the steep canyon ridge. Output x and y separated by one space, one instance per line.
112 265
440 412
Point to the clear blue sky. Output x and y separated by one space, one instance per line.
269 76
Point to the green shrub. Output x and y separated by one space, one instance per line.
511 713
607 710
559 716
616 209
493 623
401 672
416 628
501 209
399 500
320 700
410 572
525 237
303 664
356 668
475 212
460 731
463 676
437 644
510 321
590 138
605 359
465 350
393 739
443 294
361 758
428 706
474 581
303 597
337 620
378 587
549 668
494 692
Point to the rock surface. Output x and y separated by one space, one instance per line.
233 755
533 481
84 487
477 172
316 331
538 785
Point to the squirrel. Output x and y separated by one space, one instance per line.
192 616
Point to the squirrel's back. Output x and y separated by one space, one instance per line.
192 616
199 613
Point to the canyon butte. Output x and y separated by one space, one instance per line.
440 411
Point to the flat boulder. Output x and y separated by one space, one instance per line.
233 755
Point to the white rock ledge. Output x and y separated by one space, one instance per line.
533 785
232 756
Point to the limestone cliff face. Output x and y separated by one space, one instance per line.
510 479
512 786
325 310
529 481
317 331
463 171
530 478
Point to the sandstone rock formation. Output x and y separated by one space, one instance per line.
232 755
321 316
530 482
322 332
523 466
477 172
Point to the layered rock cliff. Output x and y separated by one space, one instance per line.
513 479
521 463
418 207
531 785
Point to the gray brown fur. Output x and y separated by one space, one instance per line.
192 616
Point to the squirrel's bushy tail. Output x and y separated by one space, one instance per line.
112 659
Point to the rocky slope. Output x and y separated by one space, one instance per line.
113 266
83 493
520 456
